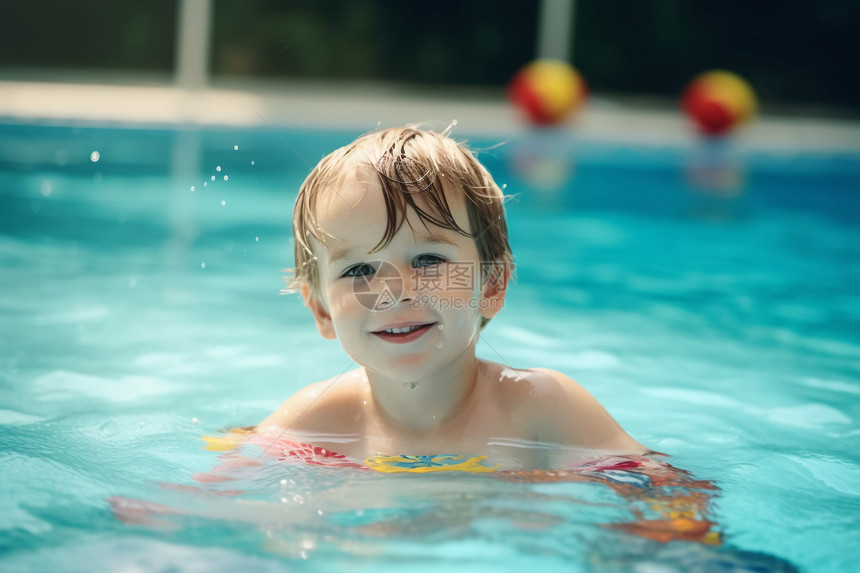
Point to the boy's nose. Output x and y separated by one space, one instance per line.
395 287
410 282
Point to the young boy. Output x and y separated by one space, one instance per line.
402 255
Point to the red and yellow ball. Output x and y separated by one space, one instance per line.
548 91
719 101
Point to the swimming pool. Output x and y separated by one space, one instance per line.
706 296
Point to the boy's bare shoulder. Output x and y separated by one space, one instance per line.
319 407
561 410
518 383
520 392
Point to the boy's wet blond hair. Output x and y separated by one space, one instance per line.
410 163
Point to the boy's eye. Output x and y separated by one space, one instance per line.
360 270
427 260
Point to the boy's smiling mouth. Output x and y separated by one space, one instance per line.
404 333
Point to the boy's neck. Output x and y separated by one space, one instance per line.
428 403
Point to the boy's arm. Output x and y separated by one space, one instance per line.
574 417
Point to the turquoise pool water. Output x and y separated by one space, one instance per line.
707 296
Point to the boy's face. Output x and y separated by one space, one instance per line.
409 309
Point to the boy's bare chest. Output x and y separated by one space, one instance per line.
503 441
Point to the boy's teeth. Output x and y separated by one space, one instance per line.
400 330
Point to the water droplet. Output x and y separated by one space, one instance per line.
223 203
440 327
95 156
284 481
504 186
108 429
202 265
225 177
235 148
440 345
192 188
47 188
252 163
195 421
257 239
218 168
213 178
205 183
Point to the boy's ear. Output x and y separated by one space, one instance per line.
495 288
321 315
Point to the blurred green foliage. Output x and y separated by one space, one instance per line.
440 42
797 52
791 52
90 34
